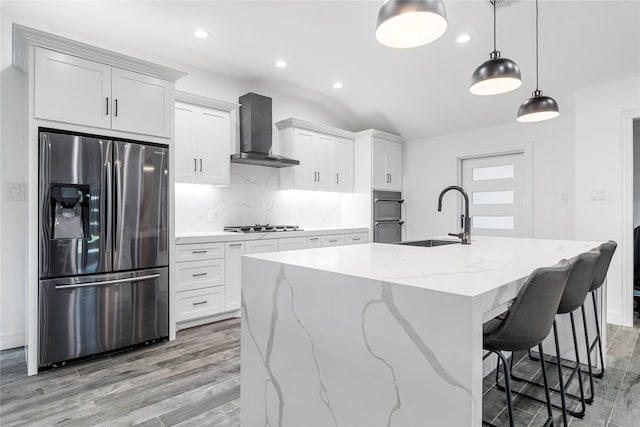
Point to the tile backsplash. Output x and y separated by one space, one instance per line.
254 196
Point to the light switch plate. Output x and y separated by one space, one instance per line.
16 191
564 197
597 194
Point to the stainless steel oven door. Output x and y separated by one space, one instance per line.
387 205
387 232
386 210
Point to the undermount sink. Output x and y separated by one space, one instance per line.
429 243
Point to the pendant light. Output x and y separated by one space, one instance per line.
410 23
497 75
538 107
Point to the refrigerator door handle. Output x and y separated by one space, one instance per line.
109 282
109 188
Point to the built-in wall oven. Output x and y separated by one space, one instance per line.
387 214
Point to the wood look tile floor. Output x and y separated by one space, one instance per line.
195 381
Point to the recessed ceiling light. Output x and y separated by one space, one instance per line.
463 38
201 34
281 64
337 85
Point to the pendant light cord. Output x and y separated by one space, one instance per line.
537 71
494 24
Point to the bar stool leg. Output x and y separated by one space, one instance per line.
560 377
598 340
589 399
507 386
583 407
546 387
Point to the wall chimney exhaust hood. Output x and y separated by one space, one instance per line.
256 129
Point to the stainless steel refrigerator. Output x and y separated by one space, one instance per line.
103 249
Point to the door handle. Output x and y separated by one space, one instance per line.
235 245
109 282
337 178
200 165
198 274
116 108
200 302
201 251
195 165
107 104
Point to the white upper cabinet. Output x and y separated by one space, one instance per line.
325 155
203 144
141 104
75 90
343 165
386 165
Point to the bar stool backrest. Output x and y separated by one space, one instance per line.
607 250
583 268
531 315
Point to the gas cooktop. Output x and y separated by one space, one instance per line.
261 228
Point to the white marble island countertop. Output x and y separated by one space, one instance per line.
377 334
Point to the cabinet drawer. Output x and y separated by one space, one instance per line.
332 240
200 274
197 251
260 246
355 238
292 243
313 242
199 303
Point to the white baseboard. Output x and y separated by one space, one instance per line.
614 317
11 340
208 319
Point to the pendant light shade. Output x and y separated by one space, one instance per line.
410 23
538 107
497 75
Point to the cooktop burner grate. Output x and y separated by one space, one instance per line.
261 228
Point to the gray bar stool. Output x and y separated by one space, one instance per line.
607 250
526 323
575 292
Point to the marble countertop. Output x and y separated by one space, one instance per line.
466 270
223 236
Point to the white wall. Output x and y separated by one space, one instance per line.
431 164
599 160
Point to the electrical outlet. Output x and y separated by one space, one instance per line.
564 197
597 194
16 191
212 215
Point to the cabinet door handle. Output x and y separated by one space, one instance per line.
337 178
107 104
200 165
390 178
314 238
202 251
235 245
318 176
200 302
332 241
355 239
195 165
199 274
116 109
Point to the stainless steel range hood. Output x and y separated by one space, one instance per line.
256 129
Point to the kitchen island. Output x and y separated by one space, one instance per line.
377 334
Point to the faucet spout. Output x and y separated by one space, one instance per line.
465 236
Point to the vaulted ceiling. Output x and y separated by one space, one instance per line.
415 92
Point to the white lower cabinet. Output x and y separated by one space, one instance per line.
355 238
292 244
199 303
313 242
209 274
332 240
233 258
261 246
